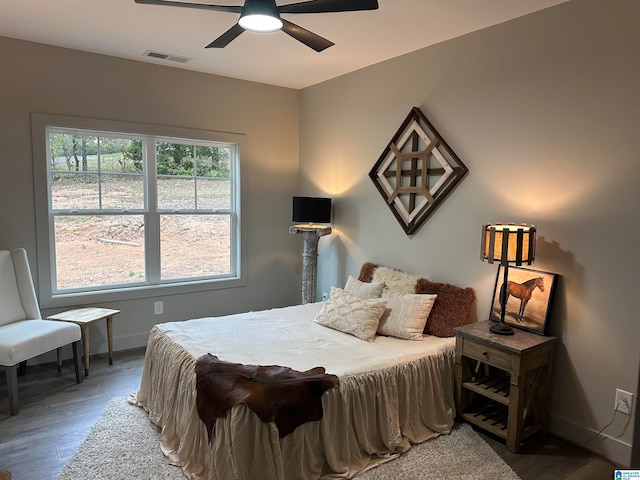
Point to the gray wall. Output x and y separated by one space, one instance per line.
45 79
544 110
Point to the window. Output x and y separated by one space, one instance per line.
130 211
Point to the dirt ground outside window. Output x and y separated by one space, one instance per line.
109 249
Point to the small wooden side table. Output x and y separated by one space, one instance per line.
83 317
503 381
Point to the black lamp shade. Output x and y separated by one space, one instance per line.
311 210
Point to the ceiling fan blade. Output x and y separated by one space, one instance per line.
226 38
202 6
310 39
328 6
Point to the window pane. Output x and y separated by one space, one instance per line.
195 245
73 152
122 191
176 193
193 176
80 165
214 193
212 168
74 191
174 159
213 161
176 183
98 250
77 191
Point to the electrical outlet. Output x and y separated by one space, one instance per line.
624 401
325 297
158 308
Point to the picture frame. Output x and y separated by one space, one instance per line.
529 301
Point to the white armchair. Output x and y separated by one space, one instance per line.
23 332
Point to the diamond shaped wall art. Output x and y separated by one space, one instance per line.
416 171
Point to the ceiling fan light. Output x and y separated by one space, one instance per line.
260 23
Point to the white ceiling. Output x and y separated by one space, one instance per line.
125 29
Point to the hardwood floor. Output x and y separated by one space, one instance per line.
547 457
56 415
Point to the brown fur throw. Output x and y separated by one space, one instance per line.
452 306
276 394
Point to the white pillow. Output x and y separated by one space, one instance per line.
351 314
405 315
364 289
396 280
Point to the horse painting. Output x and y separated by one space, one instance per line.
523 291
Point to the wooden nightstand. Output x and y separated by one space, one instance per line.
503 381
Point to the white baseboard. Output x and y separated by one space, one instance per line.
613 449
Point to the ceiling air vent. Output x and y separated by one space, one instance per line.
166 56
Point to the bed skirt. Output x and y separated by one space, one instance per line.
370 418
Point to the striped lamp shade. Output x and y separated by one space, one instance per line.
508 244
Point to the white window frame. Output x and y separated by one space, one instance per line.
50 298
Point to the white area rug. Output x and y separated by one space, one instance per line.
124 444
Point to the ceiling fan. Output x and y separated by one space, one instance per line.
264 16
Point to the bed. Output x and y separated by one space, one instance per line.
392 393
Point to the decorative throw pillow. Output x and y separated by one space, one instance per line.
363 289
405 315
450 309
396 280
366 271
351 314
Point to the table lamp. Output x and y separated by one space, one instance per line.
308 212
507 244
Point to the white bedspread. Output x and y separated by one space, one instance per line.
392 392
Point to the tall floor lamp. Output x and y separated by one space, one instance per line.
507 244
310 211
